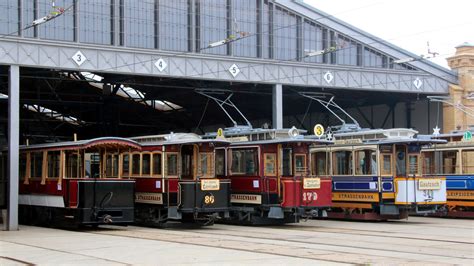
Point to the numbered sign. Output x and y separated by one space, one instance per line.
467 136
220 133
318 130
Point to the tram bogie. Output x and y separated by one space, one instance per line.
69 184
376 175
175 180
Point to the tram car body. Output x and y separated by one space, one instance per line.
376 175
175 180
270 180
455 161
75 183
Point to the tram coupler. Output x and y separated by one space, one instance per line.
107 219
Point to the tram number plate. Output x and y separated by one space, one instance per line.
310 196
311 183
429 184
210 184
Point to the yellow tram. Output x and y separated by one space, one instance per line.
376 175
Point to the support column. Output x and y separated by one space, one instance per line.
277 102
13 146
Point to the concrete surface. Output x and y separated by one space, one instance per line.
418 240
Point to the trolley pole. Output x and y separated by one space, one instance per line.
13 146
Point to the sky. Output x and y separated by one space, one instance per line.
409 24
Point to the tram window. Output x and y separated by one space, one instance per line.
287 162
244 162
156 164
300 164
206 164
136 164
412 164
125 164
270 164
172 164
401 161
36 166
92 164
319 163
428 163
366 162
467 162
73 164
146 163
342 162
220 162
187 162
446 161
111 165
386 164
22 170
53 164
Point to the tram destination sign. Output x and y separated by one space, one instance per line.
311 183
429 184
210 184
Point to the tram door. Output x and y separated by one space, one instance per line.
401 160
187 162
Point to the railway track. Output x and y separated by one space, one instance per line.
343 243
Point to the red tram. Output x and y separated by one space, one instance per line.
175 179
75 183
270 180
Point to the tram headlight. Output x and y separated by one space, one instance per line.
293 132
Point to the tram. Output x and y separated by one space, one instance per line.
175 179
455 161
269 174
75 183
377 175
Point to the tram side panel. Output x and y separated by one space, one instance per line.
271 183
56 187
455 162
378 182
176 185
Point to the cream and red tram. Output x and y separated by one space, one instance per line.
270 179
175 179
75 183
376 175
454 161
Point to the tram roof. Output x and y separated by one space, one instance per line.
112 142
176 139
282 140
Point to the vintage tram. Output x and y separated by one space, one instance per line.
270 180
75 183
376 175
175 179
455 161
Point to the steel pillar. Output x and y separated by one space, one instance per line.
13 147
277 102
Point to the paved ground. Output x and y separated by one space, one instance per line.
418 240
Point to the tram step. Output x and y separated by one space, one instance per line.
389 210
276 213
